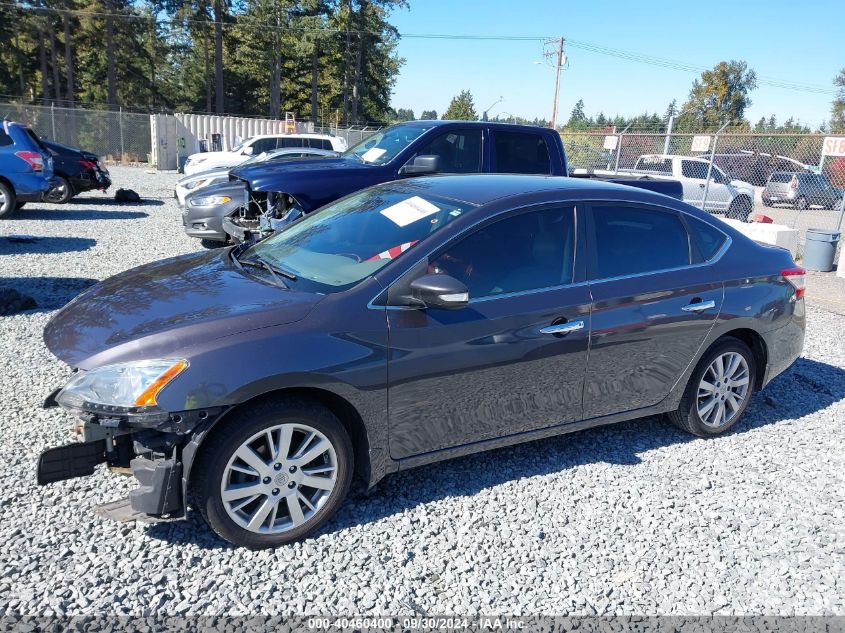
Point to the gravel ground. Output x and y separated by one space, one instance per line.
636 518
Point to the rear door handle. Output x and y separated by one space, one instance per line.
563 328
699 306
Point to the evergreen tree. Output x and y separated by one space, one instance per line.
461 108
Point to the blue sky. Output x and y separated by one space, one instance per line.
787 41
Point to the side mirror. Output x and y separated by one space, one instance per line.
440 291
249 150
425 164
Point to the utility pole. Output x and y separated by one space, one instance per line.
553 52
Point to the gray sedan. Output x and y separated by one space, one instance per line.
205 209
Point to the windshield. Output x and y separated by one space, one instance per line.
385 144
336 247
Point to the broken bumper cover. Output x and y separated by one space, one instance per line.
152 452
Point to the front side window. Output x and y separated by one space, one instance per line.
459 151
528 251
386 144
694 169
634 240
521 153
336 247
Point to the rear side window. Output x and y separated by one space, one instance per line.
290 142
707 238
634 240
693 169
263 145
521 153
655 163
5 139
318 143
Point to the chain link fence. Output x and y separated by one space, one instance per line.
352 135
791 178
117 136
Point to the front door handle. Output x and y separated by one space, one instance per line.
563 328
699 306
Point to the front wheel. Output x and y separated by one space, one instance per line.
274 473
740 209
719 389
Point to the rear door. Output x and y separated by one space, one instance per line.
654 303
514 359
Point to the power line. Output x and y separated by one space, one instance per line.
600 49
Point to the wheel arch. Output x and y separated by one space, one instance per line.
755 342
342 408
9 184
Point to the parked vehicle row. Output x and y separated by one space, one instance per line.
261 198
413 321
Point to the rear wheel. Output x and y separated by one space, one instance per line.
7 200
801 204
61 192
274 474
719 389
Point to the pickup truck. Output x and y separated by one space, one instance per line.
275 194
725 195
26 168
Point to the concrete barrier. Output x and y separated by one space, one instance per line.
776 234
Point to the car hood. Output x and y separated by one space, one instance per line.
266 176
208 173
741 184
165 307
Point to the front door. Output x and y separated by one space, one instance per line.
653 307
513 360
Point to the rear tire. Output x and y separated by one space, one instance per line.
284 507
708 393
8 203
801 204
61 193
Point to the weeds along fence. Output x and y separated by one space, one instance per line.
116 135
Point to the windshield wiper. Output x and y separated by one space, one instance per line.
260 263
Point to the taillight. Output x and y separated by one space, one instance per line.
793 184
795 276
33 159
87 164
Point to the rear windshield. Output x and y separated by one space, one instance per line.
781 177
655 163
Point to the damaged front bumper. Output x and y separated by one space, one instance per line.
153 450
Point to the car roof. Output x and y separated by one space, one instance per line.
292 135
482 189
434 123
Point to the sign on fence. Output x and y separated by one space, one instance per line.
700 143
610 142
833 146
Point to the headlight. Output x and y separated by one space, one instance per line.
202 182
120 388
209 201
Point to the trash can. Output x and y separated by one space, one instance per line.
820 249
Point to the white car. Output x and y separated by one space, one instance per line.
204 161
725 195
201 179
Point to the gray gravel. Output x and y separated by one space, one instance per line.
637 518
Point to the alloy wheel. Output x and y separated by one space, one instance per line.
723 389
57 193
279 478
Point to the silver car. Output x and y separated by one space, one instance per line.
191 183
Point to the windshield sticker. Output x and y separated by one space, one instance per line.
373 154
409 211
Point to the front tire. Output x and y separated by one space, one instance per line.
719 389
740 209
274 473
